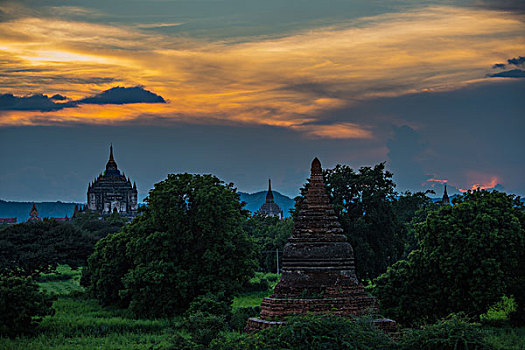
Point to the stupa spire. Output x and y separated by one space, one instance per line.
269 194
111 166
445 200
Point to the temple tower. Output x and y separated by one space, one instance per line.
445 200
318 272
270 208
33 215
112 191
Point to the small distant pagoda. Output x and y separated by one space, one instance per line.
318 273
445 200
33 215
112 192
270 208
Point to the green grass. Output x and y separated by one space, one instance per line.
250 299
63 282
81 323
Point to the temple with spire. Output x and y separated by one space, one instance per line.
270 208
445 200
318 272
33 215
112 192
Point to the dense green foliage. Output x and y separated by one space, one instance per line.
189 241
22 305
270 234
313 332
31 248
106 268
453 333
81 323
97 227
471 255
409 210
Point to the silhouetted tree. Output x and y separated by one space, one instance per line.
471 255
31 248
189 241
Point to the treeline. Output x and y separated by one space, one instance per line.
194 247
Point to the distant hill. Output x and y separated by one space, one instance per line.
255 200
20 210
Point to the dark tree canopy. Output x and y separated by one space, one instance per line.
96 227
411 209
471 254
189 241
32 248
22 305
270 234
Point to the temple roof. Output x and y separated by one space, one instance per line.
270 208
33 214
111 166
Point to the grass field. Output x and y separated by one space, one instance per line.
81 323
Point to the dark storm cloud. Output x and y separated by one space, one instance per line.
43 103
464 136
517 61
123 95
404 152
514 73
58 97
39 102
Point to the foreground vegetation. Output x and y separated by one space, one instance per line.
80 322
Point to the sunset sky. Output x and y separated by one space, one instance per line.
250 90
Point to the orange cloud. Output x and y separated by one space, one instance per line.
290 82
438 181
483 186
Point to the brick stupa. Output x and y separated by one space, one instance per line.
318 272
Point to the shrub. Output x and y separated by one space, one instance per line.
257 285
241 315
204 327
453 333
179 342
211 304
312 332
498 314
235 341
22 305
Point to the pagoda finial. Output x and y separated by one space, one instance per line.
111 166
316 167
445 200
269 194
